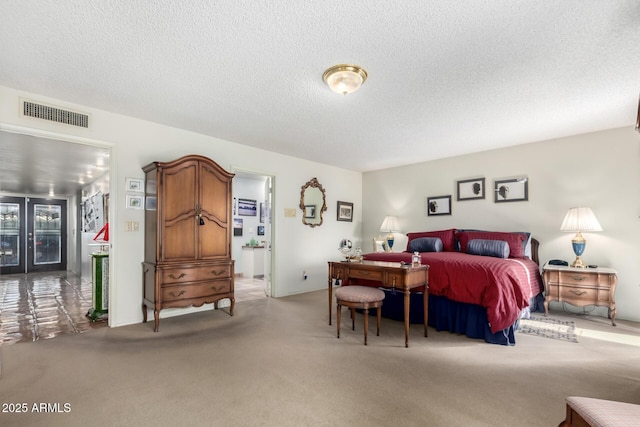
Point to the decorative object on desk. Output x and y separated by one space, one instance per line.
547 327
439 205
578 220
390 225
471 189
511 190
345 211
345 78
345 248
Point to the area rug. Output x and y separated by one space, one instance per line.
548 327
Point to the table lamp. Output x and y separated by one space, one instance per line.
390 225
579 220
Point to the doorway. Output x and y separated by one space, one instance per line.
33 235
253 234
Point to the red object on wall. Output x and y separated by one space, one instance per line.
103 231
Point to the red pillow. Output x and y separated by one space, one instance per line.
514 240
447 237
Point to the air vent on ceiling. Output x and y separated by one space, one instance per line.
59 115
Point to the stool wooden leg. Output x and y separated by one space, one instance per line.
338 315
366 324
379 315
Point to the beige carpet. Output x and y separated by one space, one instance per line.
277 362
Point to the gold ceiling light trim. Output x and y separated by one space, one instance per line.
345 78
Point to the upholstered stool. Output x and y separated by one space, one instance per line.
359 297
586 411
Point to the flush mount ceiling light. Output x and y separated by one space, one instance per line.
345 78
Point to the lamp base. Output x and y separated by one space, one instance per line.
578 263
390 239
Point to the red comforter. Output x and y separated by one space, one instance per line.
502 286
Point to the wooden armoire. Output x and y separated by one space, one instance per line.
188 221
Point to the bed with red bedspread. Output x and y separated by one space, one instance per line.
480 283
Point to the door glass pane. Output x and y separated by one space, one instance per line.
47 234
9 234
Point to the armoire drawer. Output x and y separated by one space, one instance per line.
195 290
194 274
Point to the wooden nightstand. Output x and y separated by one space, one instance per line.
581 287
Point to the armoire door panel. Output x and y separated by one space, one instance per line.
213 241
180 192
179 240
214 188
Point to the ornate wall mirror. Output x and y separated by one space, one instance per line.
312 203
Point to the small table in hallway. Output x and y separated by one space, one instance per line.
394 275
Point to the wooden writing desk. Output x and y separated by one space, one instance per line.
389 275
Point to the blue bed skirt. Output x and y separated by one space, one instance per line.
445 315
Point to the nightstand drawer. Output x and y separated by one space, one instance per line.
579 279
587 295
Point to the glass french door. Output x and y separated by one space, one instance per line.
12 239
36 241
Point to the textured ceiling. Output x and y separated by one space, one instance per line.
445 78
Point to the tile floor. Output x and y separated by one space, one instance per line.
44 305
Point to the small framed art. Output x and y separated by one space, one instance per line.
345 211
135 202
134 185
511 190
440 205
471 189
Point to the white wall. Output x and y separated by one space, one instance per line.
135 143
600 170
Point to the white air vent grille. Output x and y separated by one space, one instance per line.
45 112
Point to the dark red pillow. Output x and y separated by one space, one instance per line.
447 237
514 240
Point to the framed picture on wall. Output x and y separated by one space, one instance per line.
247 207
511 190
261 230
237 226
135 202
471 189
309 211
345 211
439 205
134 185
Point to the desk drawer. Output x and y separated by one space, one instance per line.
378 276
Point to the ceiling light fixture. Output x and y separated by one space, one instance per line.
345 78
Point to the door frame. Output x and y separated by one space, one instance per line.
270 282
113 195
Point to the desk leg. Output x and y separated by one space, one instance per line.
330 298
407 304
426 308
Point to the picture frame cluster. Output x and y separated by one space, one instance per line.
504 190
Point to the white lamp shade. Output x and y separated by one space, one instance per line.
390 224
580 219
